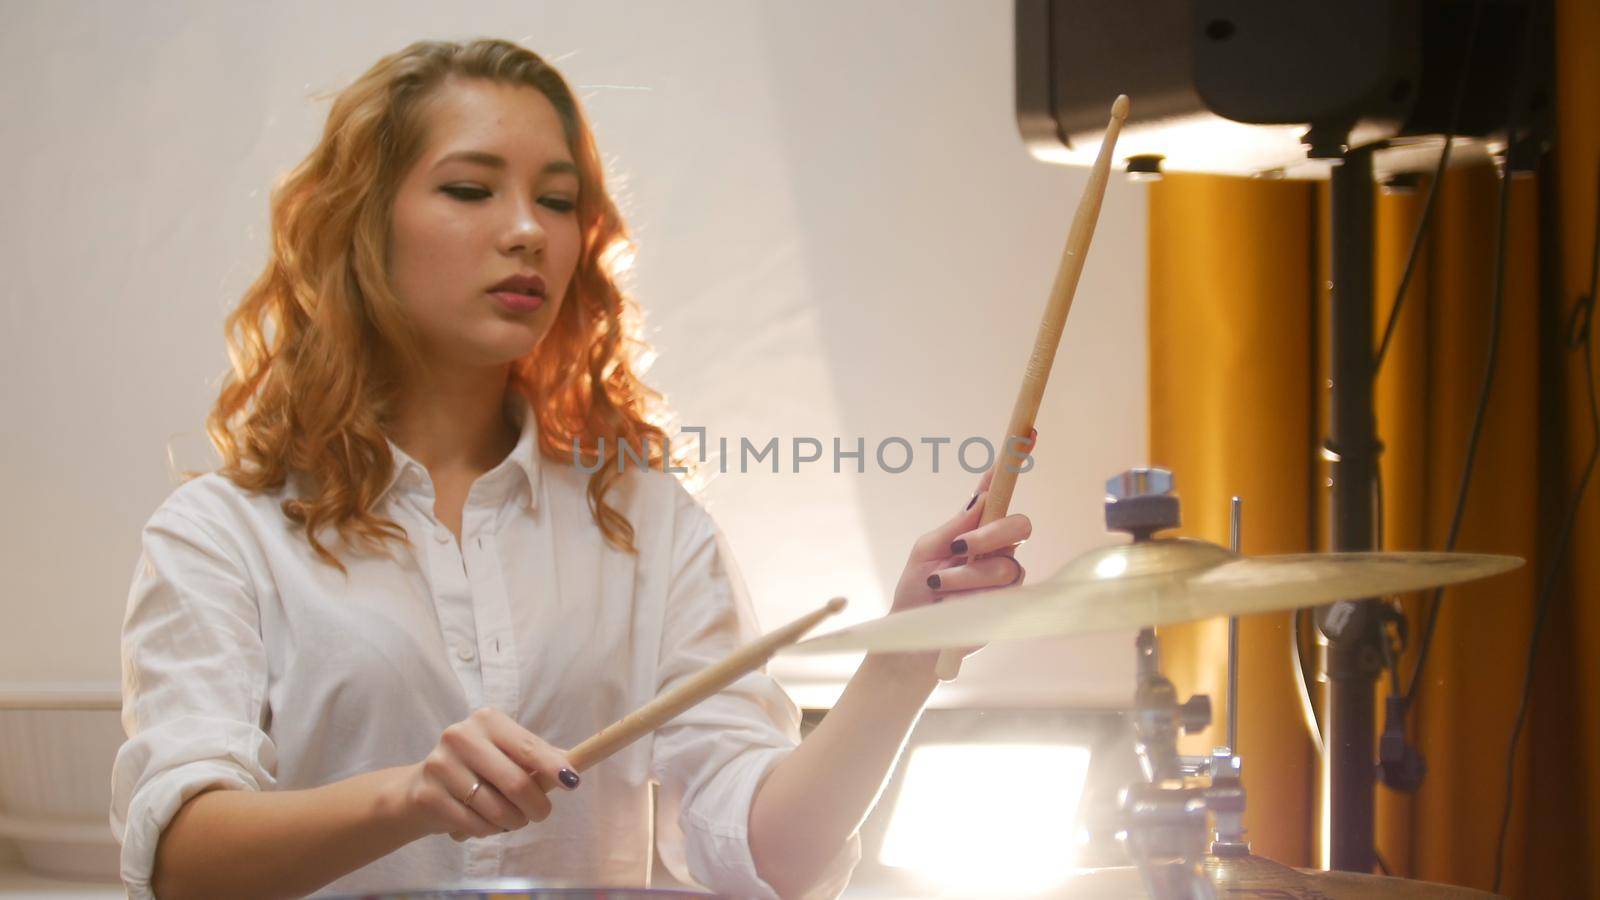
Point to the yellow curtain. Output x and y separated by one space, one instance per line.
1238 397
1230 385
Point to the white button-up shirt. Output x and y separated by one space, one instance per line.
247 663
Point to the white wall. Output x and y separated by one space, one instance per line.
842 236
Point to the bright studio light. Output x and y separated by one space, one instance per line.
987 819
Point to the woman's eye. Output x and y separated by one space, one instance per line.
460 193
468 192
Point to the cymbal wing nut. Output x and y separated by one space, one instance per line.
1195 714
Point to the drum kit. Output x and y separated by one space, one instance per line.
1182 824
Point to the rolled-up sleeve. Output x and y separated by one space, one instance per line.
194 678
711 760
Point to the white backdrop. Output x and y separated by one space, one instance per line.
841 235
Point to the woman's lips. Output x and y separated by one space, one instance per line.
518 303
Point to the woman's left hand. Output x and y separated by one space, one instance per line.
960 557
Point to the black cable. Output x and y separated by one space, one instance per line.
1307 708
1400 293
1391 661
1478 416
1580 335
1502 209
1433 192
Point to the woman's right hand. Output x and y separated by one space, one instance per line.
513 768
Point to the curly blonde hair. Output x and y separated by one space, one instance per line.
316 342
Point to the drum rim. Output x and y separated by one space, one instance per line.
472 887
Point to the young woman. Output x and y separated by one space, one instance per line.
352 656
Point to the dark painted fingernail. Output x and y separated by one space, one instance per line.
933 582
958 546
568 778
973 500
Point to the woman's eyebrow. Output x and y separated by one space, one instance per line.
496 161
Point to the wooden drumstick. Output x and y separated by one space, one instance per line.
694 689
1048 339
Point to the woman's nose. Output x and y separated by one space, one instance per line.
525 233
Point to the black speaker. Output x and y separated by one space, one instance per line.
1250 86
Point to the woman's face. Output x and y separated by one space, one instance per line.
461 225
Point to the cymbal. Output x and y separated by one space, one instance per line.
1256 876
1152 583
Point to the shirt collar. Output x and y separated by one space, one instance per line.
523 459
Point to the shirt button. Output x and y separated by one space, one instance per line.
441 534
466 652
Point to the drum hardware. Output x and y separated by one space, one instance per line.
1165 821
1183 824
1165 834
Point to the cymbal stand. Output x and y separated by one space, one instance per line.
1164 821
